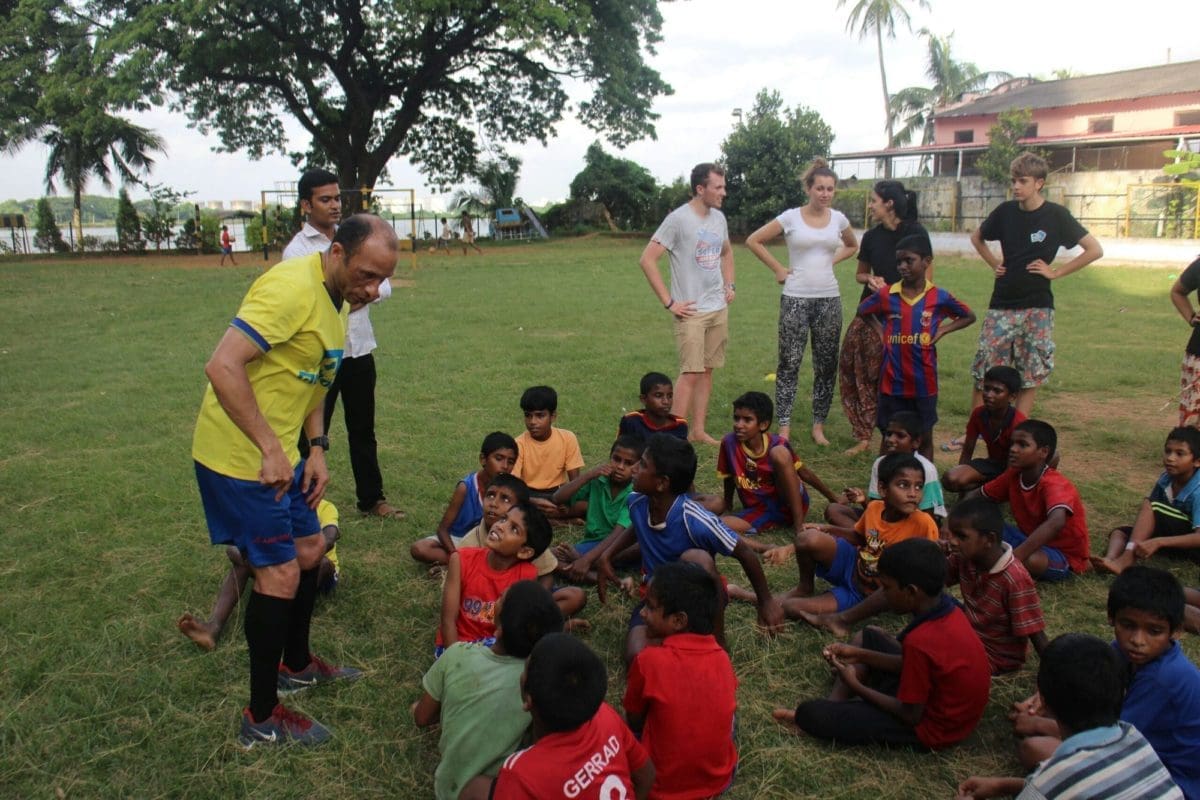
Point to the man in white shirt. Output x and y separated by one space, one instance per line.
321 202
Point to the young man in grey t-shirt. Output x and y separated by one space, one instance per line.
696 239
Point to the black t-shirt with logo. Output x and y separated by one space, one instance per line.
878 249
1026 236
1190 281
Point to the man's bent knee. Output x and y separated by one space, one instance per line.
278 580
310 550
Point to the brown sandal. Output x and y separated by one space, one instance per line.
382 509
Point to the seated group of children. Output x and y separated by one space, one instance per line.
879 550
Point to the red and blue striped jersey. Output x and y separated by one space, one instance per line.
909 326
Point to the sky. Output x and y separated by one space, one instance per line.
717 55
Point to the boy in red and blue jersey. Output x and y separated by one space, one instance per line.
909 316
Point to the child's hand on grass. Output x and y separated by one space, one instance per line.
771 617
854 496
779 555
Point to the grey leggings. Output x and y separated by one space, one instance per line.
798 318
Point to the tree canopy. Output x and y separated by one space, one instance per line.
625 188
765 156
433 81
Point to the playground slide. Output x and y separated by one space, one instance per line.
533 219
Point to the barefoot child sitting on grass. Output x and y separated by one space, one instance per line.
206 633
669 526
993 422
1051 536
1162 699
681 698
474 690
1081 682
497 456
600 496
657 394
582 748
925 689
852 569
477 577
766 473
1170 517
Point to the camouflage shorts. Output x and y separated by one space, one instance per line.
1021 338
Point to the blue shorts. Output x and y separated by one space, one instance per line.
486 641
841 576
923 407
1059 568
583 548
245 514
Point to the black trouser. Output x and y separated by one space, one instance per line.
856 722
355 382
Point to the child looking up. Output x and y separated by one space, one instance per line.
600 497
1145 609
1170 516
1050 537
474 690
926 688
999 596
547 457
657 394
681 697
476 577
909 317
993 422
497 456
563 690
849 558
762 468
1081 682
669 526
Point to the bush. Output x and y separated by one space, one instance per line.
48 237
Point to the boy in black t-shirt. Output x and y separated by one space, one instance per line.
1018 329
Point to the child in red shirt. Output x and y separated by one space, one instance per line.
993 422
476 577
1051 536
582 749
999 596
925 689
681 697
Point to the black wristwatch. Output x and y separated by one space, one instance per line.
319 441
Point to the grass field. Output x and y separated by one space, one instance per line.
101 373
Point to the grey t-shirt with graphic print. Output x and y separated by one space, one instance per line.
694 245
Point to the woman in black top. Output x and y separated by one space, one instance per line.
862 351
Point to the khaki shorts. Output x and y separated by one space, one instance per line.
700 340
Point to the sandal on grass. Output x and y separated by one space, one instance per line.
382 509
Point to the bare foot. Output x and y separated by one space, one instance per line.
818 435
576 625
629 586
736 592
787 718
779 555
829 622
702 438
1104 566
204 634
565 553
859 447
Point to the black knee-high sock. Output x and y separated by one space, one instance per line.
266 627
295 646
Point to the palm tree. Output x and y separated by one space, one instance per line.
913 108
879 17
82 148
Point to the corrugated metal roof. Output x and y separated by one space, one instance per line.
1129 84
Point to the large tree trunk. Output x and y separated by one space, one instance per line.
887 106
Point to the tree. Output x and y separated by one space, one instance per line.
129 225
159 224
914 107
426 81
765 156
622 186
48 237
879 17
1003 144
497 186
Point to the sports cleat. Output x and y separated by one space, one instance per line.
284 726
317 672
